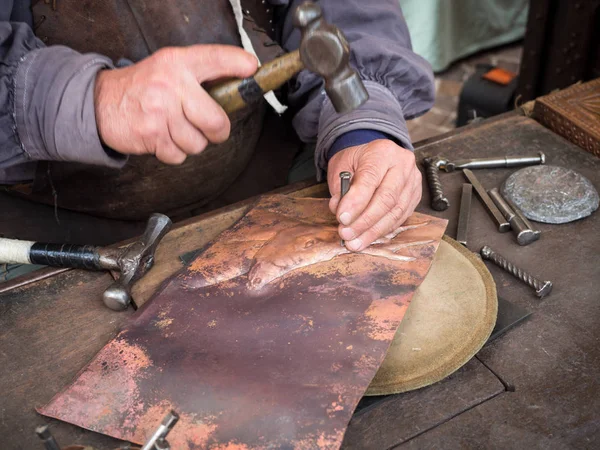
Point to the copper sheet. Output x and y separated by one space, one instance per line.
251 364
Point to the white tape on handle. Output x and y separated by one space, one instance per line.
13 251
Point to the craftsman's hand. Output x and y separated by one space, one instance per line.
385 190
158 106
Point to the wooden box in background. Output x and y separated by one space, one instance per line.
573 113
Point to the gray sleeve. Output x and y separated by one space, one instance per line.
46 105
400 83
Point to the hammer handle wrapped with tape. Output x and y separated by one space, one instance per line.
132 261
13 251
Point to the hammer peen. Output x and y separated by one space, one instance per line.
323 50
132 261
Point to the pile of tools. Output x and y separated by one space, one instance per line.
505 214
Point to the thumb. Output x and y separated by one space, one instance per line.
211 62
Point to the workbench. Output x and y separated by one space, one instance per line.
537 386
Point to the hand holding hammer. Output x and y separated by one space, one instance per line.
132 261
323 50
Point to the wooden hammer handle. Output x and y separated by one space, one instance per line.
233 95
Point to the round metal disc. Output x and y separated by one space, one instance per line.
551 194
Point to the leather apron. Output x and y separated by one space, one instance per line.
133 29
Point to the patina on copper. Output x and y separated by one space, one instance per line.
276 364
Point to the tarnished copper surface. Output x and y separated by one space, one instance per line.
249 364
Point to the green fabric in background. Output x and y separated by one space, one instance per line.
443 31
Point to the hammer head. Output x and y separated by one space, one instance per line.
325 51
135 261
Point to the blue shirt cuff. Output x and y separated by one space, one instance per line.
354 138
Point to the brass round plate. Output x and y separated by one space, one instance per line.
450 318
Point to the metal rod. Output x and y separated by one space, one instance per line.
462 229
344 187
520 214
542 288
503 225
523 233
162 431
439 202
44 434
497 162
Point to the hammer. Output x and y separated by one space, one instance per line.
323 50
132 261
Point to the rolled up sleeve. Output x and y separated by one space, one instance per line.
399 82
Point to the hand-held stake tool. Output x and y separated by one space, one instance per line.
524 234
133 261
344 187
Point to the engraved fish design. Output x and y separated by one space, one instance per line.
304 245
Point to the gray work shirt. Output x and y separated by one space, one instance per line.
47 102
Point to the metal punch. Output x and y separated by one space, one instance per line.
344 188
503 225
462 229
524 234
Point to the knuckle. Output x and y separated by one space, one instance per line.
199 145
369 174
154 99
169 154
153 128
167 55
396 215
217 124
387 198
368 221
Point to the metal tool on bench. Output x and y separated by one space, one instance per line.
434 164
542 288
323 50
503 225
158 440
132 261
464 215
524 233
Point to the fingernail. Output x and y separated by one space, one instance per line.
347 234
345 218
354 245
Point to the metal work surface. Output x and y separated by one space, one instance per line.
551 194
535 386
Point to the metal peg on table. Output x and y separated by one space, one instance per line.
524 234
158 440
465 213
439 202
44 434
542 288
503 225
495 162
